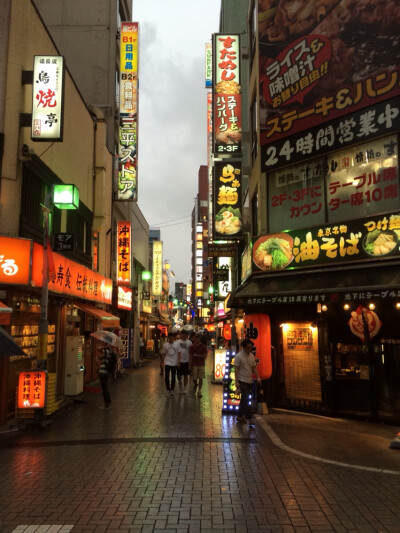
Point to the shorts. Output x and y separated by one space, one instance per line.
183 369
198 372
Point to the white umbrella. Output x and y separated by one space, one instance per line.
108 337
188 328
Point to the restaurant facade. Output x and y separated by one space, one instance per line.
322 260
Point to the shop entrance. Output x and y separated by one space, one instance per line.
301 365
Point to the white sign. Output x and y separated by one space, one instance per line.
157 269
47 103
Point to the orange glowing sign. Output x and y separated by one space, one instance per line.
124 252
72 278
32 390
15 255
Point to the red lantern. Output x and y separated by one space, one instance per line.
227 332
257 327
210 327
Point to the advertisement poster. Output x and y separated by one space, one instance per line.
227 116
228 214
319 62
377 237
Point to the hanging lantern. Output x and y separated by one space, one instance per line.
257 328
227 332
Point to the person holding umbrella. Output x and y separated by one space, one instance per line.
107 361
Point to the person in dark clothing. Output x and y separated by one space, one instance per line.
106 362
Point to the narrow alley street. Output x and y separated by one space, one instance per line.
156 463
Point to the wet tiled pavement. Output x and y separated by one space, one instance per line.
156 463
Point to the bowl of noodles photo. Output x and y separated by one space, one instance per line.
228 221
273 252
380 242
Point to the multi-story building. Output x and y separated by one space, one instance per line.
316 287
83 297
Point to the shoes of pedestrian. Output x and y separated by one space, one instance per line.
240 419
199 395
168 392
105 407
252 422
171 392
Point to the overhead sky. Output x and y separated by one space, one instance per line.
172 117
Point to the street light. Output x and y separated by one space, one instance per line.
63 197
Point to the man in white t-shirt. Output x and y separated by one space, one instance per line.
183 361
170 361
245 367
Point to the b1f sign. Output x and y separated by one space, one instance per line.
47 103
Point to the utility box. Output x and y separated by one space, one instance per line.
74 366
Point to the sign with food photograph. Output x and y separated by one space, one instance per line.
371 238
47 104
320 61
363 180
227 116
227 189
128 131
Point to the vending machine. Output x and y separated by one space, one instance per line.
74 366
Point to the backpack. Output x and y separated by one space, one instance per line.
111 362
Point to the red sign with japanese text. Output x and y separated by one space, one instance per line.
15 258
319 62
72 278
227 112
32 390
124 252
257 328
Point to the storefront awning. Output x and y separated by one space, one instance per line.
107 320
365 282
5 314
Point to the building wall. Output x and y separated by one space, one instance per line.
86 32
82 154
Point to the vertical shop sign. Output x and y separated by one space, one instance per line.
208 66
227 190
124 252
157 269
128 138
227 117
32 390
47 104
231 397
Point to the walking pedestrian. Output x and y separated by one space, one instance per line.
184 345
163 340
107 365
141 347
170 363
245 367
197 362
